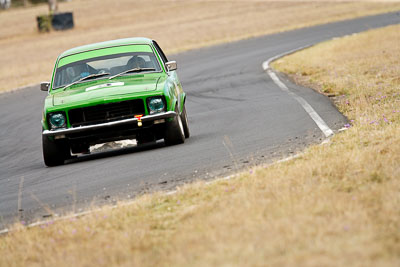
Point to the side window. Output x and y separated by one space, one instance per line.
160 52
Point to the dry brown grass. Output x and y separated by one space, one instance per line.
27 57
335 205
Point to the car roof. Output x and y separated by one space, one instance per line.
126 41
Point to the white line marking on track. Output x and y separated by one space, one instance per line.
307 107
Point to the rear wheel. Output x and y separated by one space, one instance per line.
79 148
174 133
144 138
185 123
54 152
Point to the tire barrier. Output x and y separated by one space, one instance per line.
58 22
62 21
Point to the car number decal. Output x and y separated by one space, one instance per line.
104 85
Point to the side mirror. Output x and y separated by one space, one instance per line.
44 86
171 65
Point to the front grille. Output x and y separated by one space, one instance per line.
105 112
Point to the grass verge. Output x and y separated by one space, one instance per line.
28 56
335 205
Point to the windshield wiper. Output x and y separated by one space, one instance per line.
86 78
130 71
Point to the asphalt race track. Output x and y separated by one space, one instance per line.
238 117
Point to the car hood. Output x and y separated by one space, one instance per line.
104 89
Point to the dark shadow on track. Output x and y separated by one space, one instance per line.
116 152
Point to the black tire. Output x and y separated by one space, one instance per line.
185 123
174 132
54 153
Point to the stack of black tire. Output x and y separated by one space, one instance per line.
58 22
62 21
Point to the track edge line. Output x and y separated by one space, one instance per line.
322 125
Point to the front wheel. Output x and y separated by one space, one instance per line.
185 123
54 153
174 132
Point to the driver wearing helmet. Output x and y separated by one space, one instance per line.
136 62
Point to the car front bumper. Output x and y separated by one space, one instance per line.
88 128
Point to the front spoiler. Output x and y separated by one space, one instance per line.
166 115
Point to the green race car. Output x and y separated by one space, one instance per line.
115 90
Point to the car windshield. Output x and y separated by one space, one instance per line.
108 61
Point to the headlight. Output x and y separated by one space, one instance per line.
156 104
57 120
